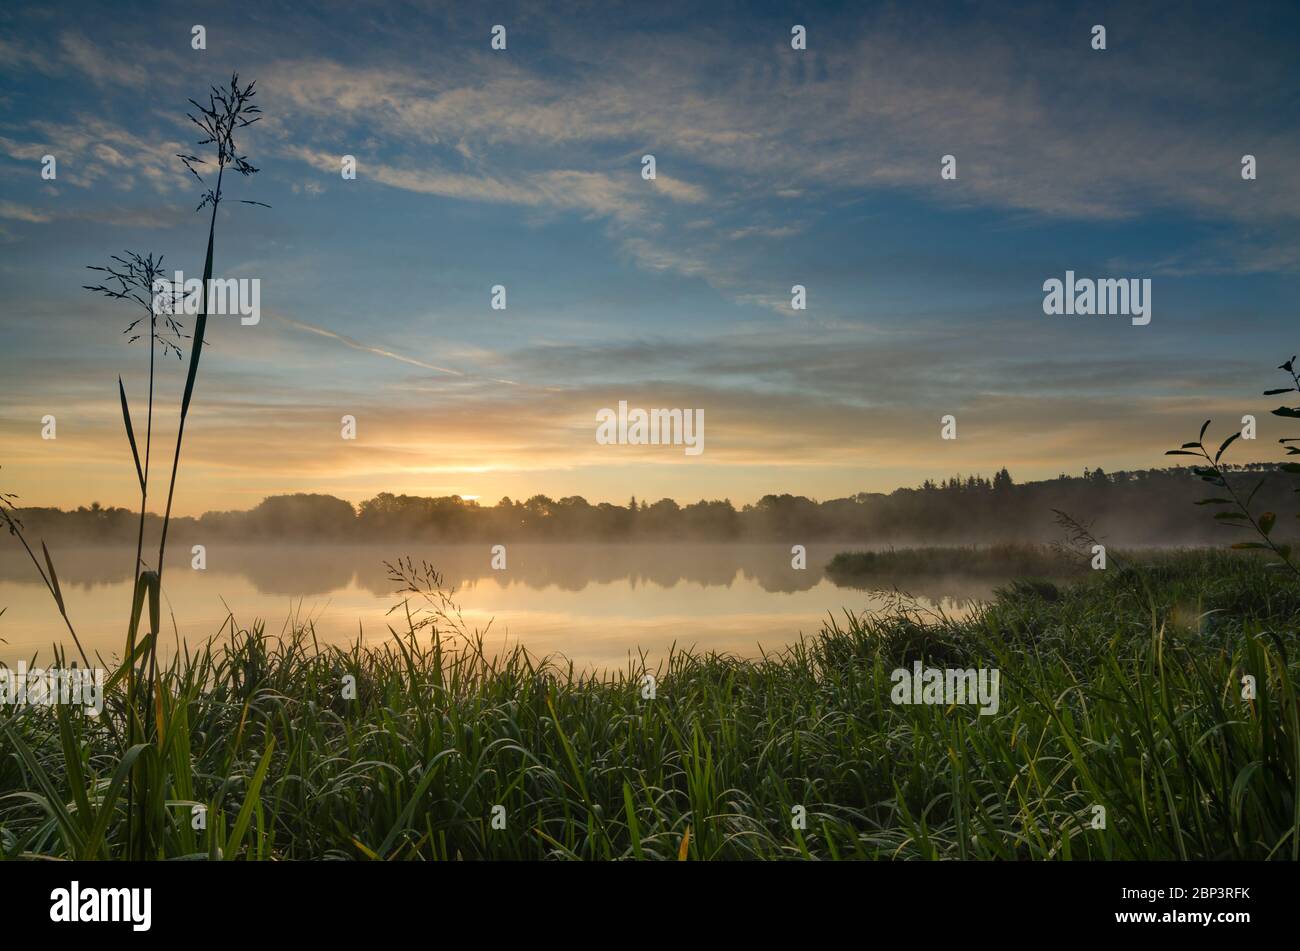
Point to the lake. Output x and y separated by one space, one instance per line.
596 604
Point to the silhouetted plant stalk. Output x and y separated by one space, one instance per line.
136 278
1239 512
139 279
227 111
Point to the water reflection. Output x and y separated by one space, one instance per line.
316 570
592 602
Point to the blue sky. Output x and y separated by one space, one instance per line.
775 167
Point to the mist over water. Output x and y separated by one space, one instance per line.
594 603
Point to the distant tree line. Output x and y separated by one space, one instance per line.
1147 506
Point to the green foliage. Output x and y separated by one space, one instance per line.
1241 514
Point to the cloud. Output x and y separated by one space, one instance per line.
786 410
92 150
21 57
876 109
871 108
123 217
571 189
874 103
757 437
17 212
761 231
105 67
679 190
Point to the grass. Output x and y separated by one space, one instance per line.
1122 690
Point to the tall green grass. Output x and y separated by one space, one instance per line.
1123 691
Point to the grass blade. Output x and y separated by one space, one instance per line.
130 433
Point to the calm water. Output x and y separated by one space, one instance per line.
595 604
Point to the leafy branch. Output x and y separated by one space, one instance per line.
1237 512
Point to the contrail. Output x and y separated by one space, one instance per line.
380 351
366 348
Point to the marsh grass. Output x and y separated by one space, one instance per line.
1110 697
868 568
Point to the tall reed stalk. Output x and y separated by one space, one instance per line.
140 279
227 111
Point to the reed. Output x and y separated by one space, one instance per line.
880 568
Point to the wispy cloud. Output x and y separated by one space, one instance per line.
102 66
95 151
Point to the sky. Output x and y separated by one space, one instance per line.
522 167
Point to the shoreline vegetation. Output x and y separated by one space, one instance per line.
1121 689
1143 507
869 569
